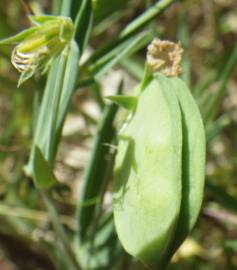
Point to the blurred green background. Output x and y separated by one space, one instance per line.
208 32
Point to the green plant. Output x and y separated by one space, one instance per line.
53 61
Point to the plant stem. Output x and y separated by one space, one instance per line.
74 265
66 7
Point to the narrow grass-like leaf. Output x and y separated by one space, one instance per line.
42 124
183 37
75 8
134 67
68 87
111 19
83 23
50 132
212 106
98 95
130 46
217 126
104 250
104 8
69 255
200 88
96 174
146 17
132 28
59 88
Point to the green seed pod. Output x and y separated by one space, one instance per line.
147 189
159 172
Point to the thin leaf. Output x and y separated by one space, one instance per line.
96 172
134 67
132 28
183 37
125 49
105 252
216 127
68 87
146 17
50 132
226 73
83 24
97 93
41 133
104 8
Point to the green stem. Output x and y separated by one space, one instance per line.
59 230
66 7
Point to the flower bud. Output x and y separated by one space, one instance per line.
40 44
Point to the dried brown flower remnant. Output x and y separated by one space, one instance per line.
165 57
